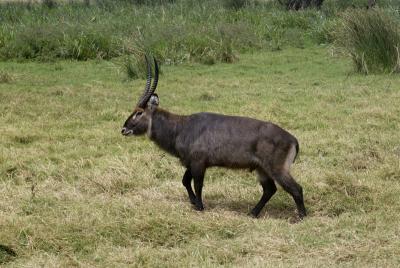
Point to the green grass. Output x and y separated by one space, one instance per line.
372 39
75 192
186 30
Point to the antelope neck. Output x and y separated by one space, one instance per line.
165 127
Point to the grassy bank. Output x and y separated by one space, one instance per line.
77 193
178 31
175 31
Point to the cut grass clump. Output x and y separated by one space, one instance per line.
372 39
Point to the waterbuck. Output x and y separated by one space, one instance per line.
205 140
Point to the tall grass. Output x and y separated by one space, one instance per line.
372 39
174 30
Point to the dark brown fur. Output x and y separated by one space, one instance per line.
204 140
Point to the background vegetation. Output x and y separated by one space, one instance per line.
175 31
372 39
76 193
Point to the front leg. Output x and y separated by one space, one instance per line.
187 182
198 175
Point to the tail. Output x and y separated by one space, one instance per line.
291 155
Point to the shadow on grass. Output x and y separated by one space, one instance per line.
274 209
338 195
7 254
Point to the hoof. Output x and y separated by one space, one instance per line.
193 201
302 214
300 218
253 214
199 208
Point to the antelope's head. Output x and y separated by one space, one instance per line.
139 122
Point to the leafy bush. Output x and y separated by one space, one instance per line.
371 38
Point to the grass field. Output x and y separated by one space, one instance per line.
75 192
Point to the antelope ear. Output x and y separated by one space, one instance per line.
153 102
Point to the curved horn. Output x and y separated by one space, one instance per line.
155 82
144 98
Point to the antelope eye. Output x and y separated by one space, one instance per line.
139 113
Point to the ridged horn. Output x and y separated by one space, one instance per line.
145 96
155 81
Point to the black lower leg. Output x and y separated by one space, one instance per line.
186 181
269 189
295 190
298 198
198 176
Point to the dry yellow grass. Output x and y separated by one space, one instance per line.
75 193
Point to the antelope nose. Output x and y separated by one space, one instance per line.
124 131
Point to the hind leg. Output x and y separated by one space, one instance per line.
287 182
269 189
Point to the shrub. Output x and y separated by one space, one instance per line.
371 38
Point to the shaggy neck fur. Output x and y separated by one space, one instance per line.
165 127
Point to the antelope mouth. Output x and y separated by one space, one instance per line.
126 132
